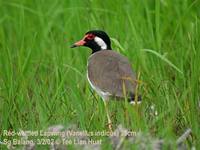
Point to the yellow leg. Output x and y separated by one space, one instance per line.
108 116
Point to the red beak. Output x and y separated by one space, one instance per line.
79 43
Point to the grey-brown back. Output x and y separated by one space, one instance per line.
111 72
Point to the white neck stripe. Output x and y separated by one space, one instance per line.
100 42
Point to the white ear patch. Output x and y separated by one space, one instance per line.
100 42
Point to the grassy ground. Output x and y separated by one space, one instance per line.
43 82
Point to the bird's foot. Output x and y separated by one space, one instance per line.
109 125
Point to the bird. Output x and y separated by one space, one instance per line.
108 72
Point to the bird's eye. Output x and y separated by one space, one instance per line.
90 36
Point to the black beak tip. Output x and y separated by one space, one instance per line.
73 46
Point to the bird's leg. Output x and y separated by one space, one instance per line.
108 116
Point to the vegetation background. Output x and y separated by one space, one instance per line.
43 82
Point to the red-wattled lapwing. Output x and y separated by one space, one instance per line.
108 72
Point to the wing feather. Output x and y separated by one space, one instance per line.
111 72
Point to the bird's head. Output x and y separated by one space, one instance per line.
96 40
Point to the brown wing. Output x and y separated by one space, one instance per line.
111 72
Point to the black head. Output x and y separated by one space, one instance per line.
96 40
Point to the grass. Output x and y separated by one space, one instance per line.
43 82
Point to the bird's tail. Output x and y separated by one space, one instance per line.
133 99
